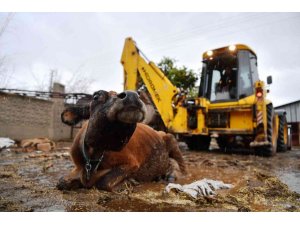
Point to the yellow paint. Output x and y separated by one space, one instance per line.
207 54
171 106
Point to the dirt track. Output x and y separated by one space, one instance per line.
260 184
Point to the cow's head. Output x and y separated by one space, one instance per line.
124 107
111 116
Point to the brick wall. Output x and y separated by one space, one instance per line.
27 117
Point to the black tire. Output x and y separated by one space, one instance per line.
282 134
222 142
198 142
269 150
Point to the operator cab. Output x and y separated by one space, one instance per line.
228 74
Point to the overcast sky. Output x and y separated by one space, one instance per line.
91 44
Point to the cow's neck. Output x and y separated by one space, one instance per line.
105 135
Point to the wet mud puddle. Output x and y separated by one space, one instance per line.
288 170
27 183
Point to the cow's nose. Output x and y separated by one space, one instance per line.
122 95
129 98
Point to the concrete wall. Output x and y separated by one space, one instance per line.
27 117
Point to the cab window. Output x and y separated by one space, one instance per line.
253 68
245 82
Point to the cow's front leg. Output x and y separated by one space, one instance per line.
95 176
71 181
115 177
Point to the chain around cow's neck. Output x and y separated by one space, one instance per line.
88 165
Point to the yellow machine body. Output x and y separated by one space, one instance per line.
203 116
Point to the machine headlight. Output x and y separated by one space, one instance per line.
209 53
232 48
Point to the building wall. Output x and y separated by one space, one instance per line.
295 133
292 112
27 117
293 118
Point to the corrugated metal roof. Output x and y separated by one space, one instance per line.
292 111
290 103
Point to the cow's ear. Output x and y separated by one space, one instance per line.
73 115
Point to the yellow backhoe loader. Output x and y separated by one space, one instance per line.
231 104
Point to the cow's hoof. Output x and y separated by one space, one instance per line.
170 178
103 186
63 184
68 184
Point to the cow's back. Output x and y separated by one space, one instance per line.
150 149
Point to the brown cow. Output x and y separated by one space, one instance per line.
113 146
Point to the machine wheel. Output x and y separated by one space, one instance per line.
222 142
270 150
282 140
198 142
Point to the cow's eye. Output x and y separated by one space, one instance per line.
99 97
96 96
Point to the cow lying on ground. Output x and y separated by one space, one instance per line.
113 146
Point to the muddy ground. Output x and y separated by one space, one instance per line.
28 179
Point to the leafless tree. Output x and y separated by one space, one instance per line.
4 23
80 81
5 71
42 81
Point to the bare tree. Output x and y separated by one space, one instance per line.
5 72
80 81
4 24
42 82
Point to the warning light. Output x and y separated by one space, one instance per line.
209 53
232 48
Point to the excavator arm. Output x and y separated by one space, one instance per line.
162 91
